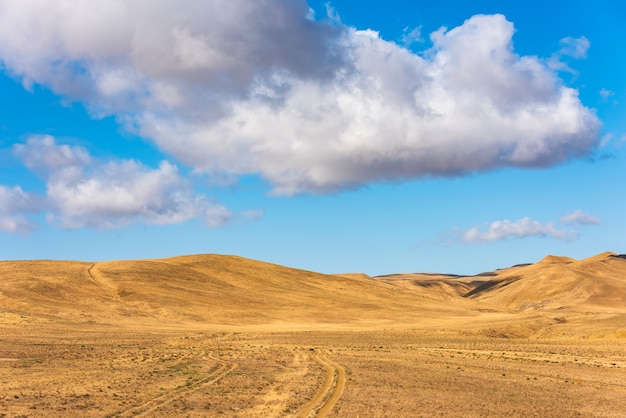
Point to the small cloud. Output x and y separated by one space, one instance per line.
610 138
332 14
248 216
522 228
310 15
571 48
580 218
606 94
574 47
43 155
16 225
410 37
605 140
253 214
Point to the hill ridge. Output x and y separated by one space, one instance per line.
230 289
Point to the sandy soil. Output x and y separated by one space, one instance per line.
92 340
101 371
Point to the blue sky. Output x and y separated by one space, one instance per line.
371 136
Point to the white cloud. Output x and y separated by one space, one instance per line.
15 224
245 87
42 154
571 48
575 47
119 193
522 228
413 36
611 138
83 192
581 218
14 204
606 139
606 94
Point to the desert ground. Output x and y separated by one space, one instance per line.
212 335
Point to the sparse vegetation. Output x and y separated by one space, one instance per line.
224 336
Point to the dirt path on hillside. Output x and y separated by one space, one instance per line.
104 283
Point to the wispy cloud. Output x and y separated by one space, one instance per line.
606 94
606 139
571 48
411 36
581 218
522 228
243 87
526 227
574 47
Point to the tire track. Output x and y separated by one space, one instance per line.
162 400
334 383
276 401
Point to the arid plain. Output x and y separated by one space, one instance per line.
212 335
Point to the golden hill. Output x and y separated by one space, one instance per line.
209 289
593 284
215 335
230 290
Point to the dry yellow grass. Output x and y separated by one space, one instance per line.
593 284
212 335
207 289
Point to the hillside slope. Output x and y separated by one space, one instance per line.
593 284
229 290
211 289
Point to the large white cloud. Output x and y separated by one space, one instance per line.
243 87
83 192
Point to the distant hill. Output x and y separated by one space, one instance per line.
230 290
594 284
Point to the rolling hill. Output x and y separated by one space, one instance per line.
590 285
209 289
594 284
218 335
230 290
